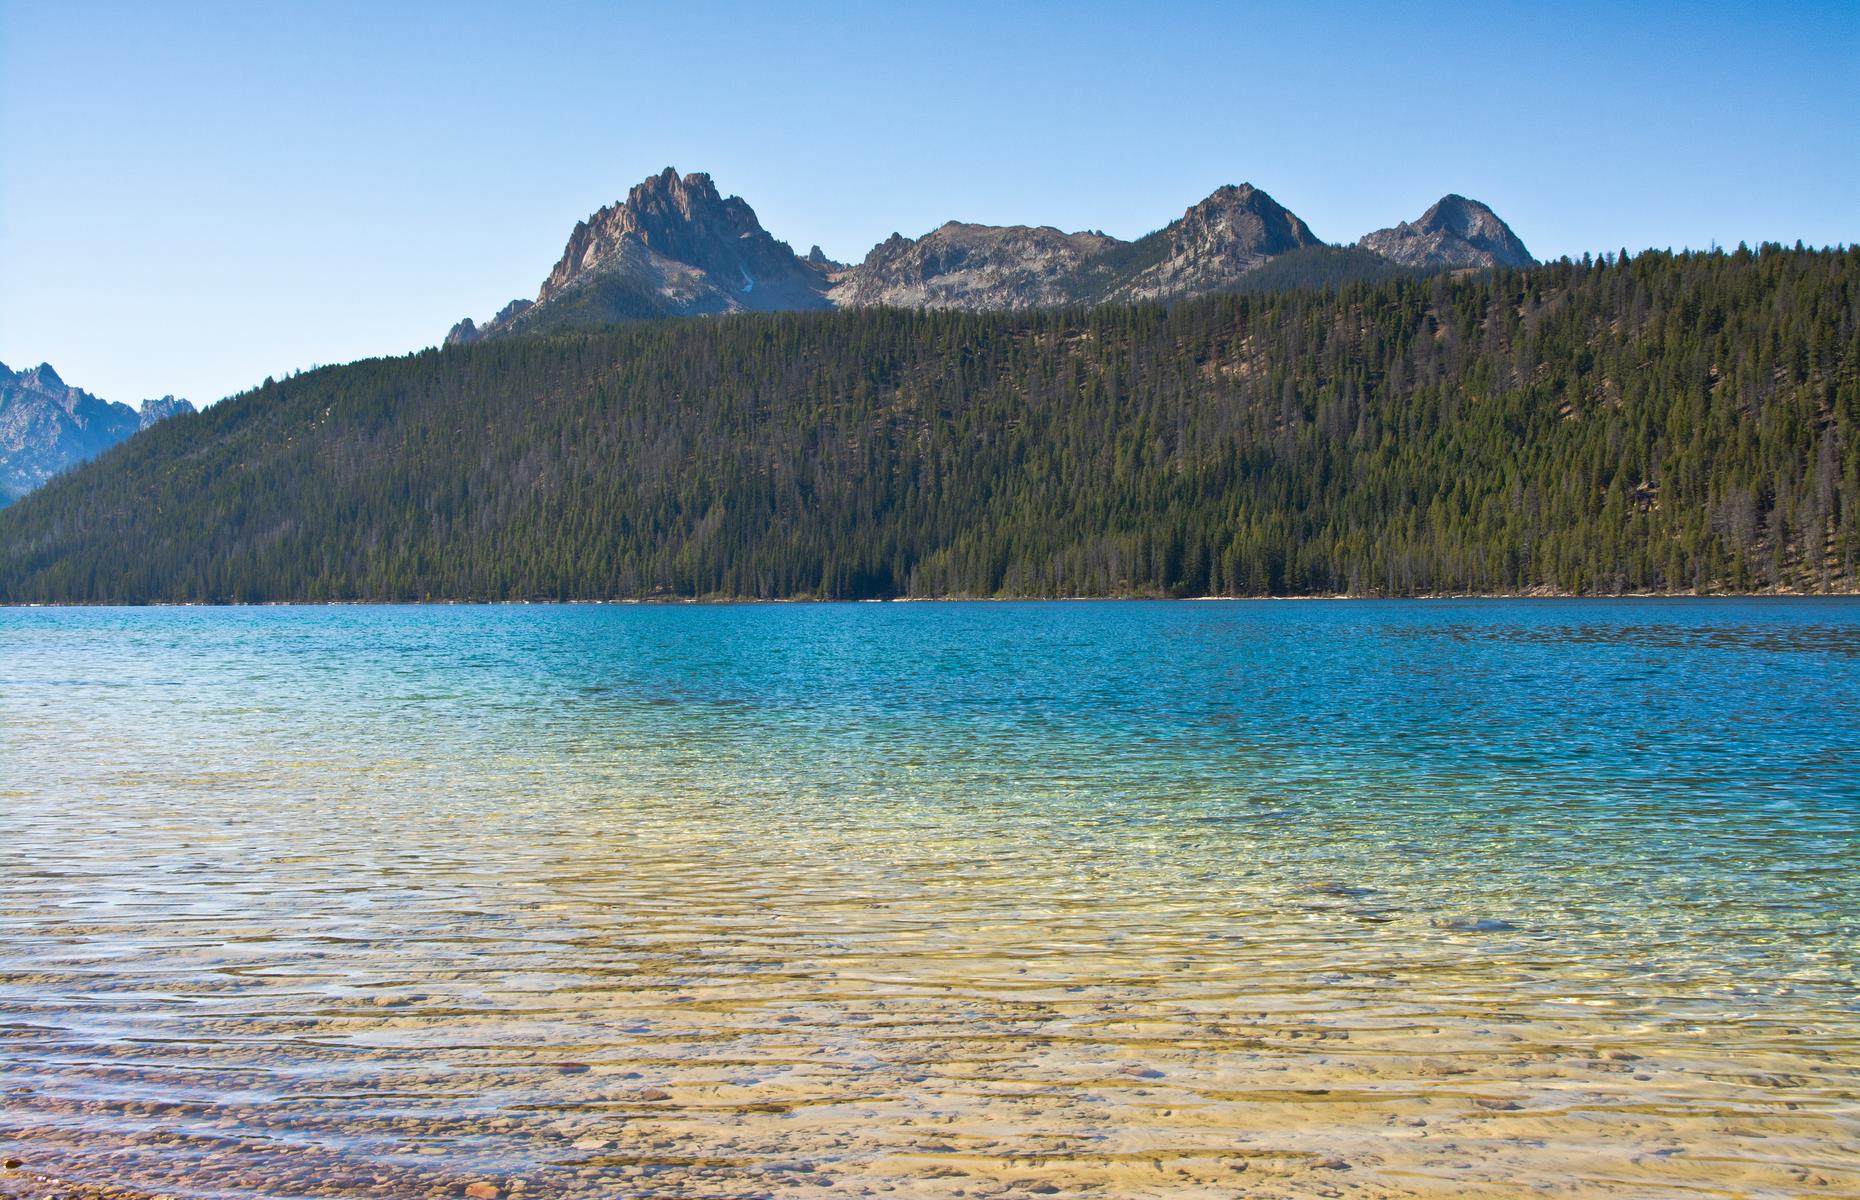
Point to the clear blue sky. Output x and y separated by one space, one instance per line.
193 196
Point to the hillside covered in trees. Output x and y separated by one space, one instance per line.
1669 423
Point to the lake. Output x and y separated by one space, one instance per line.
1125 899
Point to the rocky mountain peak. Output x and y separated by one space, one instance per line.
1235 229
1464 218
687 222
1241 220
664 200
161 409
47 426
1455 212
674 246
1454 232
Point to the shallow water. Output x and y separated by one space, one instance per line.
1377 899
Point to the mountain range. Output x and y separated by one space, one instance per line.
48 426
677 247
983 411
1660 423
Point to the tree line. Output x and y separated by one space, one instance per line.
1665 422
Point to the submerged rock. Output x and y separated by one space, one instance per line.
1346 890
1474 924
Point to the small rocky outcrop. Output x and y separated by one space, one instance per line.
48 426
1454 233
161 410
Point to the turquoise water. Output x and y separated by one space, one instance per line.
307 901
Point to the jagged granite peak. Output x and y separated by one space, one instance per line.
48 426
42 378
675 246
687 221
1455 232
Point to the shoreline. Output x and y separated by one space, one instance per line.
725 601
23 1183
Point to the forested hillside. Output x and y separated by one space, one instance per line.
1673 422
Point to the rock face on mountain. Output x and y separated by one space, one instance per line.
673 247
466 331
1018 266
1455 232
687 223
1213 244
160 410
47 426
973 266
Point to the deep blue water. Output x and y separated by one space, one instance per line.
1690 765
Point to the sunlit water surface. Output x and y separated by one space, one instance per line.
1198 899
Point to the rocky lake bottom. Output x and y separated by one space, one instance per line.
1148 900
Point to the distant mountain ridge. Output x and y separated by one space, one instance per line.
960 265
677 247
48 426
1017 266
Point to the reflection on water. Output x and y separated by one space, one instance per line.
1195 899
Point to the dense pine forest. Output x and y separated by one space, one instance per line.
1673 422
